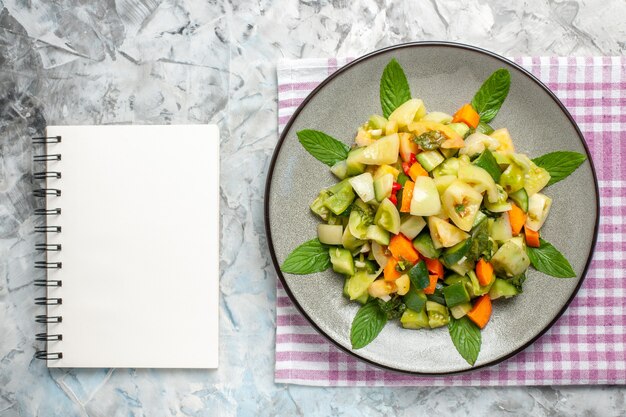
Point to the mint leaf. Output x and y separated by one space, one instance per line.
367 324
491 95
394 88
560 164
488 162
324 148
547 259
466 338
310 257
419 275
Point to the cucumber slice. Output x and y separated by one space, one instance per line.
487 162
448 153
411 226
520 197
423 243
501 229
341 198
383 186
353 166
350 242
438 315
462 268
414 320
415 299
502 288
388 217
330 234
480 216
455 253
475 288
456 278
340 169
342 261
461 128
510 260
460 310
449 167
430 159
356 286
378 234
456 294
484 128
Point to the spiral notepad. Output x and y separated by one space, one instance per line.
129 241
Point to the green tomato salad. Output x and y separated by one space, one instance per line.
433 216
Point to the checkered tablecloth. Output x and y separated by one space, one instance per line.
587 344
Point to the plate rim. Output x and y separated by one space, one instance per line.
283 136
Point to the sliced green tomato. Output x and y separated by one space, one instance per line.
408 112
388 217
438 315
454 278
361 217
538 209
448 167
457 252
341 198
377 122
456 294
443 182
429 160
425 200
503 159
448 153
502 288
501 228
476 290
318 207
423 243
380 255
502 204
342 261
444 233
363 186
459 311
383 186
415 299
340 169
535 179
414 320
487 162
350 242
520 197
437 117
461 203
480 216
330 234
476 143
510 260
479 178
357 285
382 151
512 178
353 166
460 128
411 226
462 267
378 234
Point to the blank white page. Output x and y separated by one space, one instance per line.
140 246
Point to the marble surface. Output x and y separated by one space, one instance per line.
186 61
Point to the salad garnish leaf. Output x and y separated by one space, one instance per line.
310 257
430 140
323 147
392 308
394 88
367 324
491 95
560 164
466 338
419 275
547 259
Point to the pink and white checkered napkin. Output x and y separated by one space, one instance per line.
588 343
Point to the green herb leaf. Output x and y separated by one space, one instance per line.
547 259
560 164
419 276
393 308
466 338
367 324
324 148
394 88
491 95
310 257
488 162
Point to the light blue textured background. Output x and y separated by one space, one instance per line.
185 61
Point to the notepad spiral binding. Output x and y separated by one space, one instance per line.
46 247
